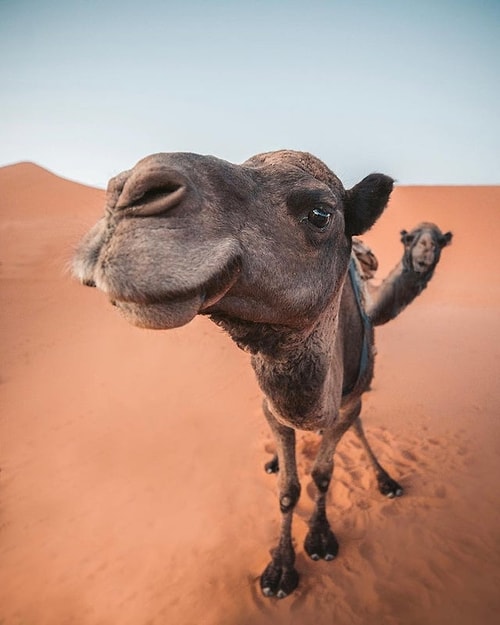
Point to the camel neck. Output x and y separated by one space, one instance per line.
292 367
398 290
270 341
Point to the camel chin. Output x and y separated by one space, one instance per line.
160 315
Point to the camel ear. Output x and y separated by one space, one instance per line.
365 202
406 237
445 239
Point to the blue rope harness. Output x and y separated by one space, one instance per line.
367 328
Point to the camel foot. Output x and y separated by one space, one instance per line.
278 581
389 487
272 466
320 543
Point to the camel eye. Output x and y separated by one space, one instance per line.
319 218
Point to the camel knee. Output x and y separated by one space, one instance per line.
289 497
322 477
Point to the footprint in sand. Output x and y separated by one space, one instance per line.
364 504
270 447
409 455
440 492
390 510
367 551
355 475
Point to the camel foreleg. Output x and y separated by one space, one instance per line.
280 577
320 542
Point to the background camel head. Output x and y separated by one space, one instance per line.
266 241
423 247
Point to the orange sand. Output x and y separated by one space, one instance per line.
131 486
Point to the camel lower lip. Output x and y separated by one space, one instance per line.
160 316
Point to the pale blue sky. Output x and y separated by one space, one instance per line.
404 87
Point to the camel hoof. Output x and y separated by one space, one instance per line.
389 487
278 581
272 466
321 544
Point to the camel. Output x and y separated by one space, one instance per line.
263 249
422 252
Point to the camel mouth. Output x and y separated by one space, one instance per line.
421 266
175 309
217 288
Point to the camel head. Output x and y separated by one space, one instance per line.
423 247
267 241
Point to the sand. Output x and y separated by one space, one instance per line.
132 489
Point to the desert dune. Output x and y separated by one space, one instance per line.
132 488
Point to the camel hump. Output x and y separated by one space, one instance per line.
367 261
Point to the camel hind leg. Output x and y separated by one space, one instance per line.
386 485
273 466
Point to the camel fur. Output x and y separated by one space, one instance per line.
263 249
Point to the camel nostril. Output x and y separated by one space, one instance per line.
151 192
151 195
154 201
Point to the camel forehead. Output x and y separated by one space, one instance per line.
427 237
294 160
430 229
277 166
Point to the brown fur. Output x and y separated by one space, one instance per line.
263 248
